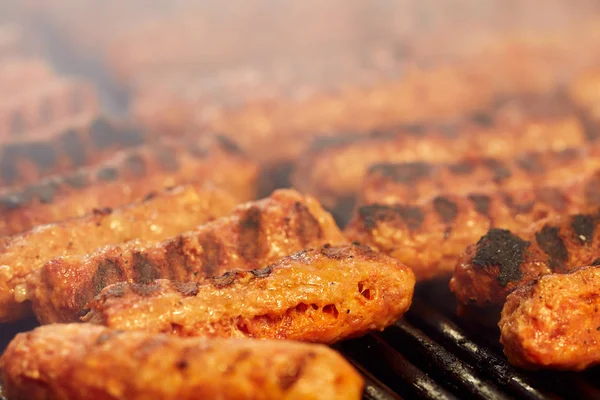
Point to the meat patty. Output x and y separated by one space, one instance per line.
411 182
319 295
254 235
126 178
502 261
431 236
159 216
84 361
334 170
554 322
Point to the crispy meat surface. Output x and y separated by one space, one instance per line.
254 235
502 261
318 295
159 216
412 182
84 361
127 177
430 237
554 322
26 161
334 169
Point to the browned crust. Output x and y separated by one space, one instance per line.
126 178
159 216
83 361
502 261
431 236
319 295
254 235
554 322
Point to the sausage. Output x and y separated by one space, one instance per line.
126 178
319 295
430 237
159 216
84 361
254 235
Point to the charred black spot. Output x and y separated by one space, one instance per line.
187 289
531 163
596 262
224 280
446 209
552 244
307 226
251 240
108 174
482 118
229 145
500 248
78 180
499 170
481 203
167 158
108 272
212 254
403 173
103 133
343 208
136 164
584 226
73 147
461 168
371 214
263 272
145 270
553 197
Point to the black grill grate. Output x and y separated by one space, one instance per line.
433 354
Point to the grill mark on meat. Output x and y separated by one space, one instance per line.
78 180
229 145
446 209
517 208
44 191
404 173
73 147
482 118
553 197
371 214
596 262
500 248
167 158
212 254
251 239
552 244
108 174
8 169
175 255
187 289
413 129
136 164
531 163
461 168
103 134
584 226
224 280
108 272
262 273
13 201
42 154
102 211
131 137
289 376
499 170
144 269
308 228
145 289
481 203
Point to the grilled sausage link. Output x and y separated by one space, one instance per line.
319 295
84 361
126 178
159 216
430 237
502 260
334 170
411 182
25 162
255 235
553 322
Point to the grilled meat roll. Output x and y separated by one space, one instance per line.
23 162
502 260
159 216
411 182
254 235
126 178
430 237
553 322
83 361
319 295
333 170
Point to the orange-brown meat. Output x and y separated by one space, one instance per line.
254 235
412 182
502 261
84 361
334 170
318 295
554 322
430 237
159 216
127 177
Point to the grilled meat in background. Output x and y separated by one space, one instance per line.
159 216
